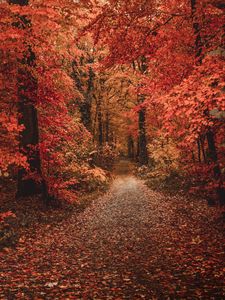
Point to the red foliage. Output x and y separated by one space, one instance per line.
184 99
50 35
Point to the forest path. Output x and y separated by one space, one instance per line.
132 243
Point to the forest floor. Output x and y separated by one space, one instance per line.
130 243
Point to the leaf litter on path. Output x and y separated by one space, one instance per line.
131 243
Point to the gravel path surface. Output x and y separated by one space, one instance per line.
132 243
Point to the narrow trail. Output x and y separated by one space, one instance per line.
132 243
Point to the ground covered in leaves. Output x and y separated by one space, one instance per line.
131 243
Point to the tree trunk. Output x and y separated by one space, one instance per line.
107 128
28 117
86 105
29 136
143 153
86 91
138 149
202 141
199 150
130 147
216 169
100 127
85 110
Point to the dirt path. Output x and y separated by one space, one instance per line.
132 243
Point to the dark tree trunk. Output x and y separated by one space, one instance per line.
193 156
85 105
199 150
216 169
130 147
138 149
142 139
107 128
85 110
111 138
100 127
27 87
202 141
143 153
28 117
196 27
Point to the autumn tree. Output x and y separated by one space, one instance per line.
37 66
27 93
200 44
83 74
176 88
